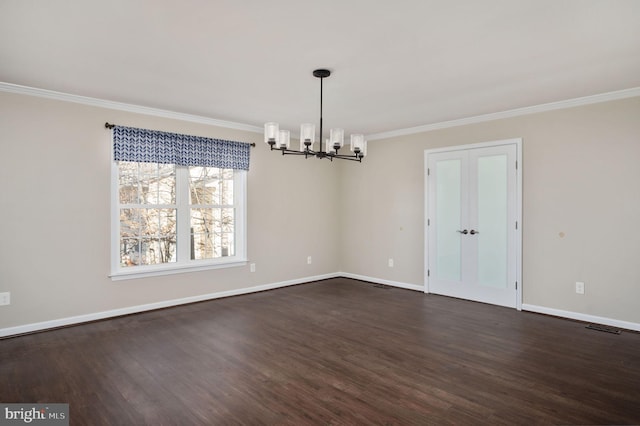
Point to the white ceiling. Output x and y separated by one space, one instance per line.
396 64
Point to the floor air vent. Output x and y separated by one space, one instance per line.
386 287
604 328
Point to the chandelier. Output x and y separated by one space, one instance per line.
278 139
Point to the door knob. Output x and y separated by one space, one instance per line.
473 232
465 232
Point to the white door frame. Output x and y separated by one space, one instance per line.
518 236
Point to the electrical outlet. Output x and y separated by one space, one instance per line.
5 298
252 267
579 287
390 263
309 260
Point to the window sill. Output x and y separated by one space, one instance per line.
174 269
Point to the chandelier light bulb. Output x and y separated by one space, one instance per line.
307 136
357 143
283 139
271 131
336 138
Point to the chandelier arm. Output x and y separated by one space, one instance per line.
293 152
311 153
348 157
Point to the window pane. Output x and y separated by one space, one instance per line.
205 231
227 239
129 222
204 220
227 192
146 183
128 182
167 222
147 236
227 174
166 184
156 183
129 252
201 247
158 250
204 185
147 176
160 223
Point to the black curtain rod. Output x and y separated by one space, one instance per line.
108 125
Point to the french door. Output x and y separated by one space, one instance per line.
472 223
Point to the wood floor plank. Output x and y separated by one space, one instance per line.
338 351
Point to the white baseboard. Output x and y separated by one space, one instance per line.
381 281
45 325
582 317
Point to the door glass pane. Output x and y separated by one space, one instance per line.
448 210
492 221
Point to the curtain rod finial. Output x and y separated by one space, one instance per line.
109 126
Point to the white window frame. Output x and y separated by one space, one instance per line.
183 262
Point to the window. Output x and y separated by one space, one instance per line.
174 217
167 218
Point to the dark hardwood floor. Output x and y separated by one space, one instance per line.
338 351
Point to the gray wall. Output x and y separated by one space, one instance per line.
55 214
581 178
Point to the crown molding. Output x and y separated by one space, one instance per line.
121 106
570 103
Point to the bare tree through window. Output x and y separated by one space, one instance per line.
149 219
147 194
212 212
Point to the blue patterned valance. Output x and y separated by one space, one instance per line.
153 146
